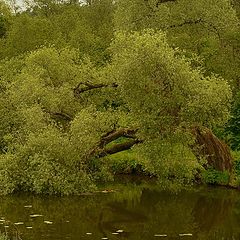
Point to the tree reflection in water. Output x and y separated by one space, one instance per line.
140 210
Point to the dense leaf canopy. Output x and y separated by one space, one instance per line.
80 82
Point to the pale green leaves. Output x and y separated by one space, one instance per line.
163 88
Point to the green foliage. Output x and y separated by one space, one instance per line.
5 19
154 14
47 163
237 167
3 237
68 79
236 162
233 126
169 92
212 176
128 162
44 23
206 28
49 151
166 96
36 32
44 153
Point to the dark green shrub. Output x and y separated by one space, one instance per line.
212 176
237 167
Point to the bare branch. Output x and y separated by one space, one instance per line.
87 86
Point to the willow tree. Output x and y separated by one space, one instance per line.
208 34
168 99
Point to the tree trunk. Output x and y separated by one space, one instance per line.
215 151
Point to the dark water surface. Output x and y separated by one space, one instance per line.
137 208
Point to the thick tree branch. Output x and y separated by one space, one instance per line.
206 145
102 149
87 86
113 135
119 147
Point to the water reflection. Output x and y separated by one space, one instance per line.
137 210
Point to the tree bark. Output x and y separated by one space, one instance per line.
215 151
207 146
118 147
102 150
113 135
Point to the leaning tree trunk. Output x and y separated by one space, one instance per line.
214 150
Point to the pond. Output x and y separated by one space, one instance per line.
133 209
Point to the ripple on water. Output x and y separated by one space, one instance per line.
185 234
36 215
19 223
48 222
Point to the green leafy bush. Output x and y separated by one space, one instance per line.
127 162
233 126
46 164
212 176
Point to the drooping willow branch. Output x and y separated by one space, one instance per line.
209 146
